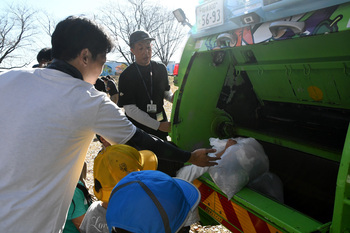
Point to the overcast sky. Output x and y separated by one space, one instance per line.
63 8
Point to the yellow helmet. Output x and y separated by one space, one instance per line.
115 162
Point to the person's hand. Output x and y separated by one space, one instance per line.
200 158
229 143
165 126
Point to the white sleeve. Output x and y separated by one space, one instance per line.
140 116
108 119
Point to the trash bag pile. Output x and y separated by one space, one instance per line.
242 164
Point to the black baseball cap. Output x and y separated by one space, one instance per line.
139 36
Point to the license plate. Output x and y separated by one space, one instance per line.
210 14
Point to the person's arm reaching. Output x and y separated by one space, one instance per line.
165 126
165 150
117 129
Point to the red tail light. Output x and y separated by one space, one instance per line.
176 69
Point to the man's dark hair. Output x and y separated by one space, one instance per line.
75 34
44 55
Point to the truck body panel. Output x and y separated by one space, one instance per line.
280 74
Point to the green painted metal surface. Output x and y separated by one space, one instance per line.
198 99
286 70
282 217
311 149
290 92
341 216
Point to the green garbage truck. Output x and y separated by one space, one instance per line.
277 71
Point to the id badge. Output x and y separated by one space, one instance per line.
151 108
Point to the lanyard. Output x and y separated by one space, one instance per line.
149 94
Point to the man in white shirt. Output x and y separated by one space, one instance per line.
49 122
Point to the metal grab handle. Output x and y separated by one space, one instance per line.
296 27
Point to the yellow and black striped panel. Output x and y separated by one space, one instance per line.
232 216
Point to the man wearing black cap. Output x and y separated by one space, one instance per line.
143 87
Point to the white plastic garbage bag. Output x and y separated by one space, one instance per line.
191 172
240 163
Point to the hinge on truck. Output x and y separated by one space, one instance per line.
307 69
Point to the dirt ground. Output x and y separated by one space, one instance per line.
95 147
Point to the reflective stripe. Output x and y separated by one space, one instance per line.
229 214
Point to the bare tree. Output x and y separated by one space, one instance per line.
168 37
16 34
47 22
133 15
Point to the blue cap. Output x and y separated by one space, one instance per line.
151 201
